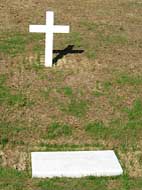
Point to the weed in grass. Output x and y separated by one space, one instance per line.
76 108
57 129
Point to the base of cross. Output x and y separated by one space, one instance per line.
75 164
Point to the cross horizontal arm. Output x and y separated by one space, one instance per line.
38 28
61 29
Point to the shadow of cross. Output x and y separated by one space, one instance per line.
62 53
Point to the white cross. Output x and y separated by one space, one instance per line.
49 29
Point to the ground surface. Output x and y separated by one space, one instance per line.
87 101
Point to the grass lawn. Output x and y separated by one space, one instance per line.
90 100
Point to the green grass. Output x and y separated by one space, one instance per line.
97 93
75 38
16 43
9 98
11 173
45 93
129 79
91 26
13 99
10 131
2 79
67 91
3 141
13 45
97 129
12 179
76 108
56 130
73 184
91 54
135 4
121 183
115 39
127 133
37 66
107 85
135 113
69 147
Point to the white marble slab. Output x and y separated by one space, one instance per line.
75 164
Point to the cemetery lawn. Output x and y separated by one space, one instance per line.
87 101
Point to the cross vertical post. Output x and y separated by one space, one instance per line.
49 38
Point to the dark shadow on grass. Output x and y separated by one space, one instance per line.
62 53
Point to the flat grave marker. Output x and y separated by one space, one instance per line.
75 164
